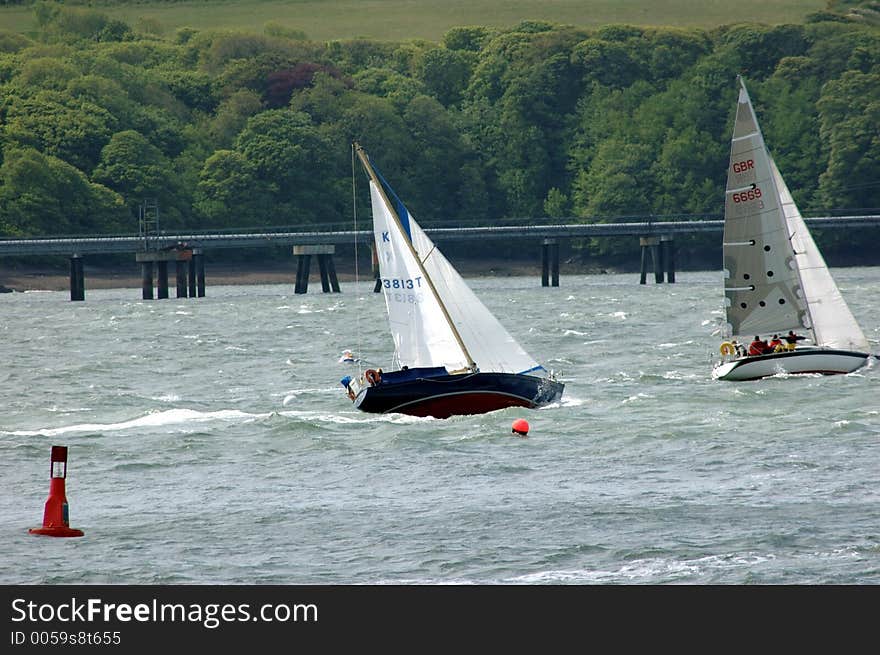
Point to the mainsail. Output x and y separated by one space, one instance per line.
776 279
435 318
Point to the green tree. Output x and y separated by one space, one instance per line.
470 39
556 204
445 73
232 115
46 73
609 63
758 48
849 115
42 195
288 153
441 176
52 121
388 83
230 195
137 170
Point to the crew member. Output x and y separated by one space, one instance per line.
791 339
758 347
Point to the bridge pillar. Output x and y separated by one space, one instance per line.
77 278
550 263
667 244
199 259
650 245
328 274
191 281
162 281
302 274
662 253
181 278
146 280
325 264
158 259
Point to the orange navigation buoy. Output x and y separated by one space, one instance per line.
56 515
520 427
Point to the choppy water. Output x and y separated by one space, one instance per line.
210 442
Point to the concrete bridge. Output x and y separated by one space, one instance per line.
656 238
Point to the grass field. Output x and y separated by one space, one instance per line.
401 20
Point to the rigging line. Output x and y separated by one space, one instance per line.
425 258
358 342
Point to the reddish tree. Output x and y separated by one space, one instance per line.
281 84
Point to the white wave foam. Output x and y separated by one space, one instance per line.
678 375
645 570
294 394
157 419
635 398
359 417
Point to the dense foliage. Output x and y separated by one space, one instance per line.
534 122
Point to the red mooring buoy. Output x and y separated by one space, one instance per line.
56 515
520 426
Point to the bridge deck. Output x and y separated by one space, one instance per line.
85 245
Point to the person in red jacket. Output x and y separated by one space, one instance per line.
758 347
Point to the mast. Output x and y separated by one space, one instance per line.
365 160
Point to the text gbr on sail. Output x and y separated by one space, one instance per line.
743 166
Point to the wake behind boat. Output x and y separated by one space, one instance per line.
776 280
452 356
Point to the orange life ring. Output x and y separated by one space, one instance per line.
372 376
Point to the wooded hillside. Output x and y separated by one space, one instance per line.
538 121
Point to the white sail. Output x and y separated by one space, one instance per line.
834 325
421 320
775 277
421 333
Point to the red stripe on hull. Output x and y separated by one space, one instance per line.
465 403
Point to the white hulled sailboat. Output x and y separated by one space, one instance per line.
776 280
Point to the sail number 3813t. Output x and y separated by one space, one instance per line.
395 289
402 283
